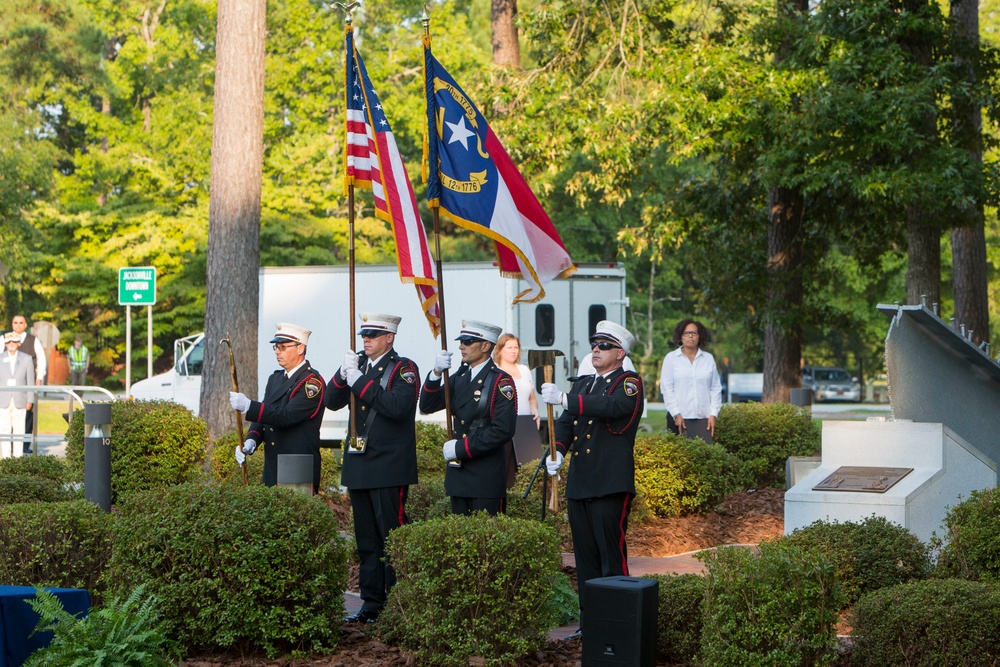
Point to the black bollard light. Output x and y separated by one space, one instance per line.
97 454
295 471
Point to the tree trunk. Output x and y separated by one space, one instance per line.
506 48
782 327
232 289
968 240
923 249
783 330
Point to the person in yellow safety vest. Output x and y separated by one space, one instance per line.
79 362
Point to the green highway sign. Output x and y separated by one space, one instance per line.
137 286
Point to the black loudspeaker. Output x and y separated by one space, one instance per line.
620 622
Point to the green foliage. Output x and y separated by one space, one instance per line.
676 475
939 623
48 467
562 604
430 437
531 507
763 436
471 588
127 632
251 567
153 444
776 607
869 555
30 489
972 531
679 616
62 545
223 467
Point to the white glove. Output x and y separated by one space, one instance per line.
551 394
240 456
553 466
239 402
249 446
353 375
442 362
449 449
350 362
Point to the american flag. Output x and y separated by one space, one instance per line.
373 161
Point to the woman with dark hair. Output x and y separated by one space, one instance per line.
689 381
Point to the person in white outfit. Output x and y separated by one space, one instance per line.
16 369
690 383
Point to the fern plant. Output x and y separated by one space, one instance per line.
125 633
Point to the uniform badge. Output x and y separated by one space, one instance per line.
312 388
507 389
408 375
631 387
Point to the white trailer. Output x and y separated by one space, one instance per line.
316 297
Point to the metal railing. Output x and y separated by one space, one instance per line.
72 392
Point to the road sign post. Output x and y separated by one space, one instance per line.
137 287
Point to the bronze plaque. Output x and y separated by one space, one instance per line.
861 478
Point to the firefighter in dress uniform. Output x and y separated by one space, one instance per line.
381 462
597 432
484 414
287 421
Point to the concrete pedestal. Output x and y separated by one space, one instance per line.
946 469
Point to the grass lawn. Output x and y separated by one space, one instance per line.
50 415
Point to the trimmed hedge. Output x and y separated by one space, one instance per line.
676 475
471 589
933 623
153 444
250 567
62 545
223 467
972 531
680 617
777 607
870 555
762 436
44 466
29 489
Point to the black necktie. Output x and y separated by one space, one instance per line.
593 384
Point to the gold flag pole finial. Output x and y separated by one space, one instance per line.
348 9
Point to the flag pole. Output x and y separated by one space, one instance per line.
437 256
353 422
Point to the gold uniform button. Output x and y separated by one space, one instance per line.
364 407
588 436
590 422
575 438
575 422
461 421
588 450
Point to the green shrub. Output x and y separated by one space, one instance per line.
676 475
972 531
939 623
153 444
777 607
125 633
251 567
46 467
870 555
471 588
562 604
62 545
29 489
680 614
763 436
430 462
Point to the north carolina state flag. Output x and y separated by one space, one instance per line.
473 181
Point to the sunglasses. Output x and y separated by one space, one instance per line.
372 334
281 347
601 345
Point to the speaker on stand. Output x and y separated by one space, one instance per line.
620 622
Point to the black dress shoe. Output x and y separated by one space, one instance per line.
575 635
363 616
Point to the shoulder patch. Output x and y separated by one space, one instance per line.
506 386
312 388
632 386
408 373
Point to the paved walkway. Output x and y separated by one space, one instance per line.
637 565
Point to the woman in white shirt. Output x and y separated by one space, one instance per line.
507 355
689 381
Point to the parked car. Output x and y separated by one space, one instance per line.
831 384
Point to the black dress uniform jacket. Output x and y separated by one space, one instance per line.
597 431
483 473
287 421
390 456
